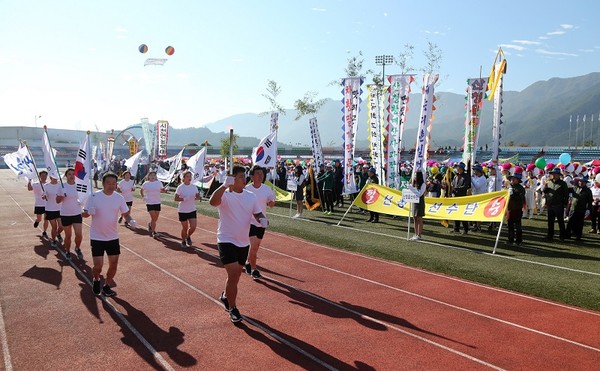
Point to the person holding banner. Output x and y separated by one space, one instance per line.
326 181
151 190
460 185
237 208
70 214
53 210
418 209
515 209
265 197
186 194
126 187
39 208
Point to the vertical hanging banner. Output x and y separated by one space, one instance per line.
83 169
351 102
495 88
148 132
162 137
476 89
398 97
110 146
315 142
133 146
424 129
274 121
265 154
374 126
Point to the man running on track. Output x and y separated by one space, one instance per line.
151 190
237 207
126 187
70 214
187 194
40 201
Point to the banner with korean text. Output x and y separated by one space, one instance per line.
398 97
162 137
374 127
488 207
351 104
424 129
315 142
476 88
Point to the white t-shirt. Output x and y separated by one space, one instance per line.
104 221
70 204
127 187
51 191
264 194
185 191
152 192
236 212
38 192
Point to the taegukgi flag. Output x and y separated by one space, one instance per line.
265 154
82 170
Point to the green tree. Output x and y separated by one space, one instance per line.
433 54
307 105
354 67
403 59
273 91
225 145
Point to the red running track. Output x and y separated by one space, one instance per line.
316 308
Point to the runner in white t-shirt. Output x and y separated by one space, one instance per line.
126 187
52 189
237 208
186 194
39 208
104 206
151 190
265 197
70 214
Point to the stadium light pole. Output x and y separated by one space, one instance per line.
570 127
35 118
382 60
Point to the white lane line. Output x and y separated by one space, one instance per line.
4 338
157 356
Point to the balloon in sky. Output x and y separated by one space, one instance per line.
143 48
170 50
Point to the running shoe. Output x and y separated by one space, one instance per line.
256 275
120 219
224 301
235 315
107 291
96 287
35 224
53 244
153 234
68 256
183 245
79 253
188 240
59 237
44 234
247 268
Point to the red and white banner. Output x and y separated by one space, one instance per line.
351 101
398 97
315 142
424 129
476 89
162 137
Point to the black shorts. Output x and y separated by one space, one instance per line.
259 232
186 216
129 203
111 247
37 210
155 207
71 219
299 195
51 215
230 253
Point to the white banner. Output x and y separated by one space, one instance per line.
21 163
196 165
374 125
83 170
167 177
49 157
265 154
274 121
398 96
352 92
315 141
162 134
110 146
424 128
132 163
475 93
497 118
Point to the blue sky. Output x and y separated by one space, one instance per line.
76 63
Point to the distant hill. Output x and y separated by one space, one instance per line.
536 116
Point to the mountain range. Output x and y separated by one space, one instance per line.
536 116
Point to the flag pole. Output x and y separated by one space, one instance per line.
53 158
90 163
230 151
24 142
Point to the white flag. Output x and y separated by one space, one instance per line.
196 165
132 163
21 163
165 177
83 169
49 157
265 154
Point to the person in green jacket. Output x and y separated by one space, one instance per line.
581 206
327 180
557 198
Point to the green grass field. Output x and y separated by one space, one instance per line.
566 272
